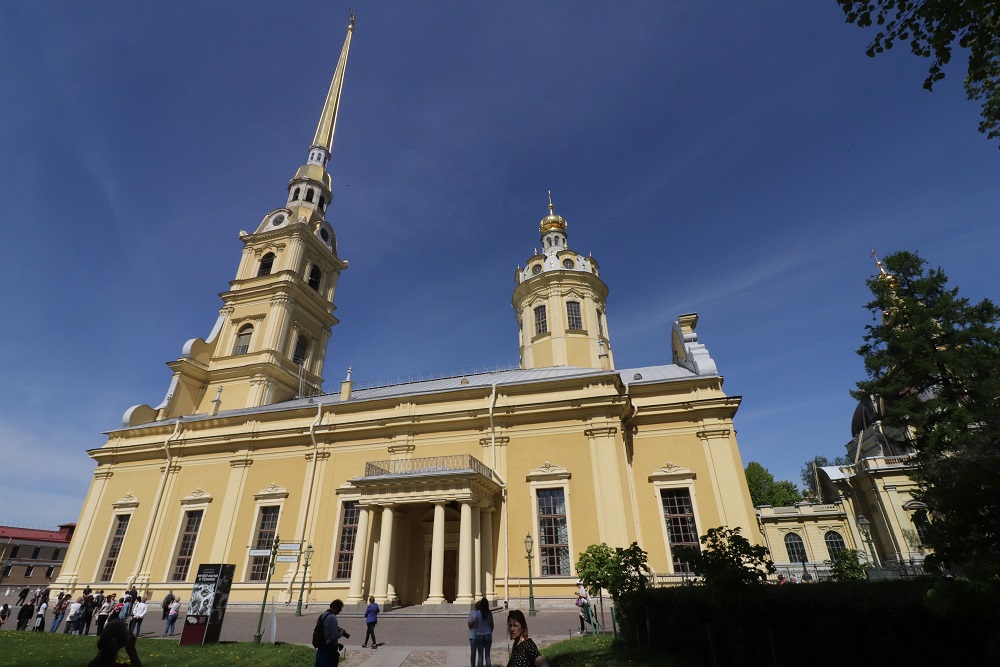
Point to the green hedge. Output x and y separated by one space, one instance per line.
828 623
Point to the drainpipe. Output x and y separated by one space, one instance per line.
159 498
305 517
503 497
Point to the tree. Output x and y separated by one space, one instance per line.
846 566
934 359
808 475
728 559
765 491
933 28
622 572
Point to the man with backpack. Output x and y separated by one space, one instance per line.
327 634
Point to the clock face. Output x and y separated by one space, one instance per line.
536 269
568 263
278 219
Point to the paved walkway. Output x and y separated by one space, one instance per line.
407 638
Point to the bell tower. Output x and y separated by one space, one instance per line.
269 342
559 302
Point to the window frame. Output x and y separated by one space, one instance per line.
270 496
268 260
241 347
255 563
831 551
577 316
346 505
787 539
541 323
671 477
544 478
103 575
182 543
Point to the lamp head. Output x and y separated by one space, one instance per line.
528 543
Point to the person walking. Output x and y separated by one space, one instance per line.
4 613
172 613
484 633
472 635
86 615
167 599
23 595
73 618
371 618
328 654
104 612
524 653
40 617
139 610
583 604
24 615
58 611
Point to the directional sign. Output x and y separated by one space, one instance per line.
290 558
290 546
260 552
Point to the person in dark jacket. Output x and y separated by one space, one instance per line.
328 654
25 615
114 638
371 618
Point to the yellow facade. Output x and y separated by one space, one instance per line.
417 493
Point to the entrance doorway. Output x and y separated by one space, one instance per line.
450 574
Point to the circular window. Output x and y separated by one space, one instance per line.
323 234
568 263
277 220
536 269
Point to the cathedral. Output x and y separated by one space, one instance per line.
422 493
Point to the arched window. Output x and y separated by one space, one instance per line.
266 262
309 195
795 548
834 543
315 275
301 346
923 529
295 194
321 203
243 339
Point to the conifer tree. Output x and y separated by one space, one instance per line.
934 359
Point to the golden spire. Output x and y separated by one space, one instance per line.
552 221
328 119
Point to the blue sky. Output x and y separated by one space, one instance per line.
739 160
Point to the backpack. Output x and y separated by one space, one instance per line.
319 632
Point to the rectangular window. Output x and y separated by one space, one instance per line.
49 570
55 553
553 547
541 323
28 570
267 526
35 552
600 324
114 547
185 550
13 552
573 316
6 570
348 540
681 530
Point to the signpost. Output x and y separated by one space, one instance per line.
271 553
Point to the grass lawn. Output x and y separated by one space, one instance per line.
44 649
600 651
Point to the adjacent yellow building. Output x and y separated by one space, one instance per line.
416 493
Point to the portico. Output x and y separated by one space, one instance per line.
425 532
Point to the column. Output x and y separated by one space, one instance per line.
465 561
486 530
394 557
354 593
477 556
436 593
381 591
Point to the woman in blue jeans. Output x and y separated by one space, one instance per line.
484 633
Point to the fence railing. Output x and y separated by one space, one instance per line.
427 464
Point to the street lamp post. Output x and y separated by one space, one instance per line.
528 544
308 554
866 532
267 586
